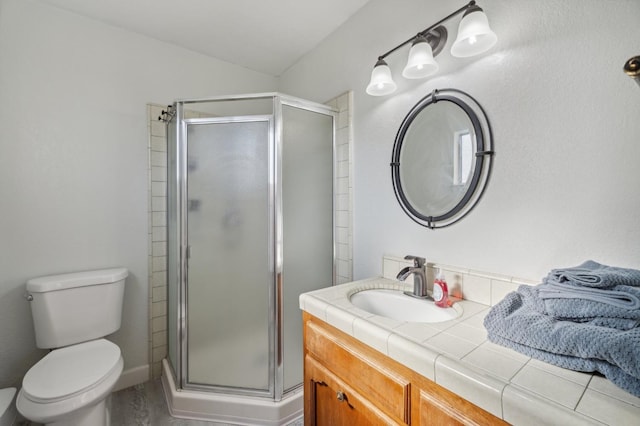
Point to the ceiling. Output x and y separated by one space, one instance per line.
265 36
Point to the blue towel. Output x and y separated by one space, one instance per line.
517 322
623 297
594 274
593 291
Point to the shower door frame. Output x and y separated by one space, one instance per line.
184 261
276 342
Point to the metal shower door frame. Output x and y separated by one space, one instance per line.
184 254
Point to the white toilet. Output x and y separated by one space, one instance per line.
71 314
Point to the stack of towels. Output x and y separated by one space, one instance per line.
584 318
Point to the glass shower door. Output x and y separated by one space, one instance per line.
230 272
307 223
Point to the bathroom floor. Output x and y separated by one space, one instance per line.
144 405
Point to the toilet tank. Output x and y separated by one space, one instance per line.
76 307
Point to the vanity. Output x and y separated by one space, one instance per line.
346 382
362 368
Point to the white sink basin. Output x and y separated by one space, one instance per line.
397 305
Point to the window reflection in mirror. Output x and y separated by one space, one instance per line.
462 156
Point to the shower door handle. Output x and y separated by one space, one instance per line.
187 252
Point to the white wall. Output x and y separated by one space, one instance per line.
73 157
565 117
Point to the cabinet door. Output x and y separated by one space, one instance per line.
439 407
365 370
331 402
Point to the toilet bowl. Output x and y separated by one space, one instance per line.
7 409
72 313
70 385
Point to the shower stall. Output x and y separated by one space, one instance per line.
250 213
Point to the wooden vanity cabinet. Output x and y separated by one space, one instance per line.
348 383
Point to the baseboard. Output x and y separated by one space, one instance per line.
132 376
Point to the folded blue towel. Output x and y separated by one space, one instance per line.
594 274
593 291
517 322
621 296
617 308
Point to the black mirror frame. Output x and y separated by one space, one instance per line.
482 164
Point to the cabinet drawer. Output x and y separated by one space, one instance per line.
367 374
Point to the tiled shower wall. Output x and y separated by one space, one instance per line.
157 202
157 239
344 189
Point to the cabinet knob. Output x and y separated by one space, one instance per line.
341 396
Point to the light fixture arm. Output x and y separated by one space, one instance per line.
426 31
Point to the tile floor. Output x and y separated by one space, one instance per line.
144 405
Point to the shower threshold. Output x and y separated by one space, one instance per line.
237 410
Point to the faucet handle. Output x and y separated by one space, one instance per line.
418 262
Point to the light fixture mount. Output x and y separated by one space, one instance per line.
436 38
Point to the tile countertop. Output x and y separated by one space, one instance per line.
457 355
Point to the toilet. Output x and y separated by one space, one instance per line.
72 313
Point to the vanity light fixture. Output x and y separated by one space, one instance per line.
474 37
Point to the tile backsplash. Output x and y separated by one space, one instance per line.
481 287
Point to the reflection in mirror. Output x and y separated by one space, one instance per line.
441 158
462 155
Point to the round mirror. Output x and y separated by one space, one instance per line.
442 158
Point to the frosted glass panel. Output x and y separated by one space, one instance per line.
307 210
230 269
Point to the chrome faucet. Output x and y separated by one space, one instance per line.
419 277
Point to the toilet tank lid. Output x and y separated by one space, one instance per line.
76 279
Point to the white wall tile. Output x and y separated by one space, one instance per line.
159 219
159 293
476 288
158 144
159 233
499 289
158 128
158 158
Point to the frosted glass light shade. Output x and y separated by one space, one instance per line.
474 34
420 63
381 81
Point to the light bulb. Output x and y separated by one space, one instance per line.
420 63
474 34
381 81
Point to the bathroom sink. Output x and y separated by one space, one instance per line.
397 305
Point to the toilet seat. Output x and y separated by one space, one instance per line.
66 372
69 379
